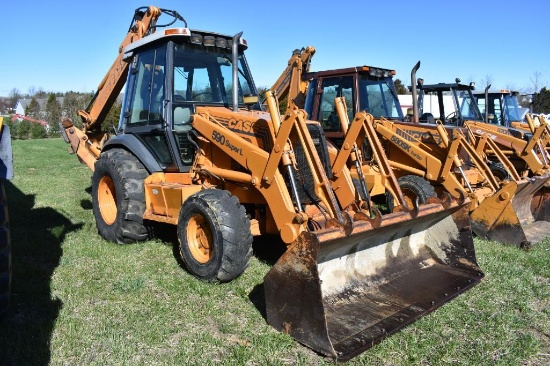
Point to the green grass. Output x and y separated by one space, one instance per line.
79 300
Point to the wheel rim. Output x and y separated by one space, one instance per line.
199 239
410 197
106 196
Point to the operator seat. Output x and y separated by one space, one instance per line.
182 119
426 118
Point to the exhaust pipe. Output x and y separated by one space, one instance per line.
487 103
235 70
415 92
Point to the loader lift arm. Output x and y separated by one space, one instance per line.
532 152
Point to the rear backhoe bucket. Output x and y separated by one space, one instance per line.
507 216
340 295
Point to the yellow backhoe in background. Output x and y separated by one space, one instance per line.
193 149
421 152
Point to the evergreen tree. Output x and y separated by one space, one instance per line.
24 129
541 101
37 131
399 87
53 115
33 109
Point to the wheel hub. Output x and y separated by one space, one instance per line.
199 239
106 196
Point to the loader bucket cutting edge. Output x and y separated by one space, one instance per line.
341 296
508 217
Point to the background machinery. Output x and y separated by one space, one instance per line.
514 155
194 150
419 151
499 106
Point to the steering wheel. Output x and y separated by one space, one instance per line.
178 98
452 118
204 93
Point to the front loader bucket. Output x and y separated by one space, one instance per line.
340 295
507 216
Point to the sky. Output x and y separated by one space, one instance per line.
60 46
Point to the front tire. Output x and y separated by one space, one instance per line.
118 197
214 236
499 172
413 188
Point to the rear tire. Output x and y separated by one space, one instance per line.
413 188
5 253
214 236
118 197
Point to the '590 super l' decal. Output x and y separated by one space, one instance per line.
220 139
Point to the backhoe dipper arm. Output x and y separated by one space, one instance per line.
290 82
88 142
109 88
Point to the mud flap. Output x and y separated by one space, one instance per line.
342 295
507 215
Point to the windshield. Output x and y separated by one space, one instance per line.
378 97
469 109
204 75
511 108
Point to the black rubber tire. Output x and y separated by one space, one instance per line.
499 172
413 187
229 236
5 253
127 175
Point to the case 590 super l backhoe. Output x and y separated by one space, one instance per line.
191 150
517 156
417 152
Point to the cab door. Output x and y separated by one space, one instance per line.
145 105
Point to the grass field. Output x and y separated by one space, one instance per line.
79 300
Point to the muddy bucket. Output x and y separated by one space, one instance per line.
540 204
516 214
341 295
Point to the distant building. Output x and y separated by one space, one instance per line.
22 105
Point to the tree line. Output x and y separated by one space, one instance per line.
74 101
51 113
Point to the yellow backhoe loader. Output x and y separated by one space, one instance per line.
193 149
515 154
499 209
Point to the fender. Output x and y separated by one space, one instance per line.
136 147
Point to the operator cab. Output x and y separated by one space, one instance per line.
365 88
171 73
503 108
450 103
